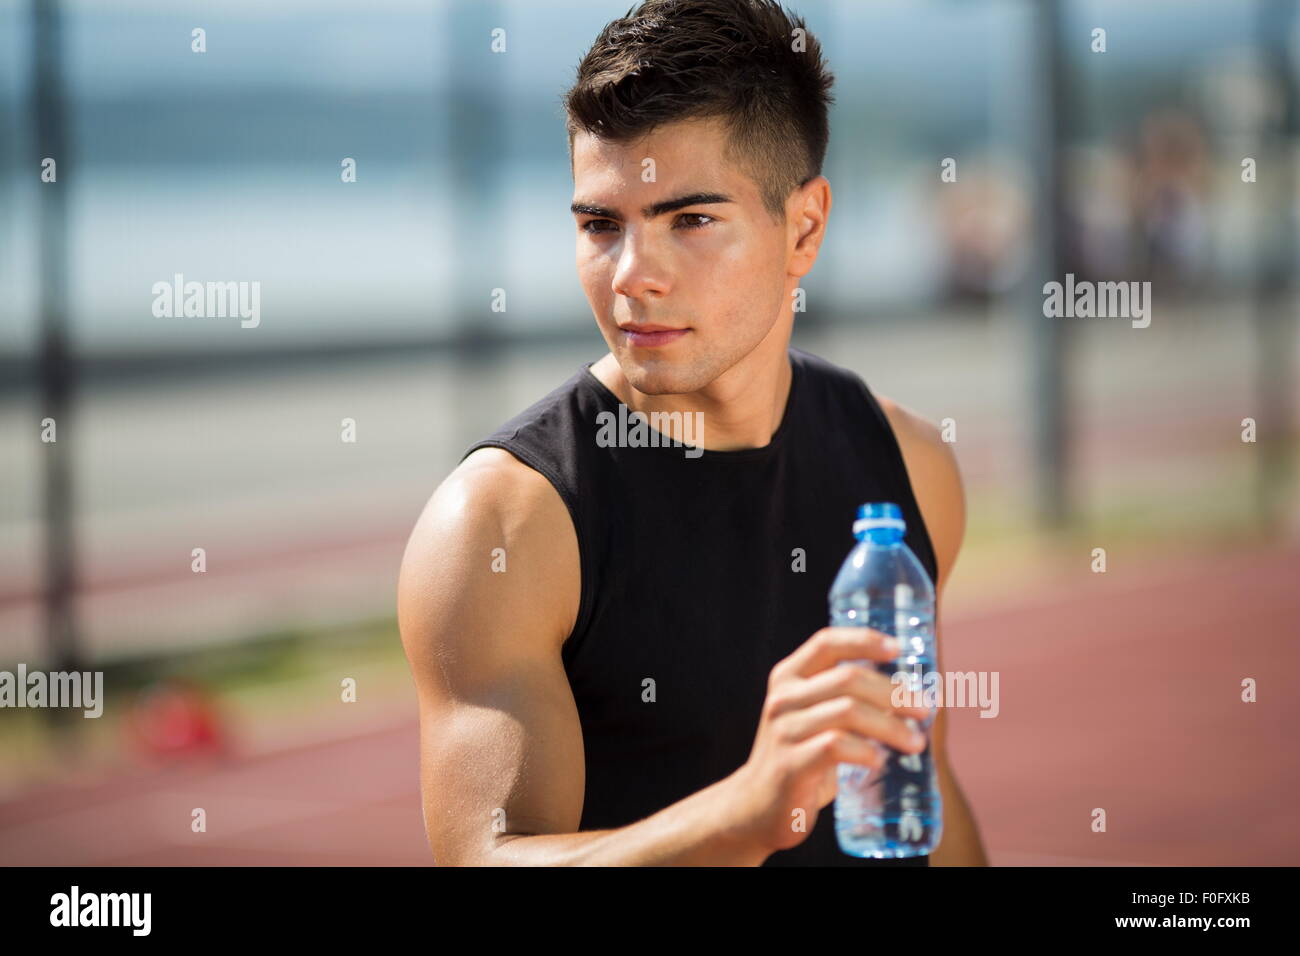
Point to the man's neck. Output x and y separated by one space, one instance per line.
742 408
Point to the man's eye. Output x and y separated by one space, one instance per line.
696 215
687 220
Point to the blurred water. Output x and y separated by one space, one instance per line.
377 259
225 165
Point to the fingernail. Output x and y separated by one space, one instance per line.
892 645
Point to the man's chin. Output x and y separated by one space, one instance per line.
660 377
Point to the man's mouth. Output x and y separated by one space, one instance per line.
649 335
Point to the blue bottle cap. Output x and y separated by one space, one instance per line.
880 514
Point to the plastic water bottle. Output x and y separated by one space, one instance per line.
896 811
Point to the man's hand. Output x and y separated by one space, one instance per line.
817 715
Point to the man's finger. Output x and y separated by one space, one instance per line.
831 645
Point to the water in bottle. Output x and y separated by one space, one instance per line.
895 811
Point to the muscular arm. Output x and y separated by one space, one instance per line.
936 483
501 769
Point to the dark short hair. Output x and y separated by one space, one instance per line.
670 60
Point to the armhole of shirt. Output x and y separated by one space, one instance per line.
570 500
888 428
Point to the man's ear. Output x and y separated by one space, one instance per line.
807 212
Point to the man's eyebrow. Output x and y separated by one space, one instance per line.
655 209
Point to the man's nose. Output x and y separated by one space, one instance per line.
640 271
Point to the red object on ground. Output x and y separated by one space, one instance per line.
175 718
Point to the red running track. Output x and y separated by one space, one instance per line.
1118 691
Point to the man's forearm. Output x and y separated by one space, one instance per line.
694 831
960 843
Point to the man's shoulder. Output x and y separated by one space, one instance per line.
906 424
929 459
911 427
926 452
491 473
935 476
491 514
493 489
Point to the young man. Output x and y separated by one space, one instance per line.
617 641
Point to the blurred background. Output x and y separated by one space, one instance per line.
1120 690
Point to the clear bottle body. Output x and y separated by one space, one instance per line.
896 811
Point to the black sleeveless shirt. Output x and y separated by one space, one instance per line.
699 574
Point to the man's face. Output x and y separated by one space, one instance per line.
712 270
